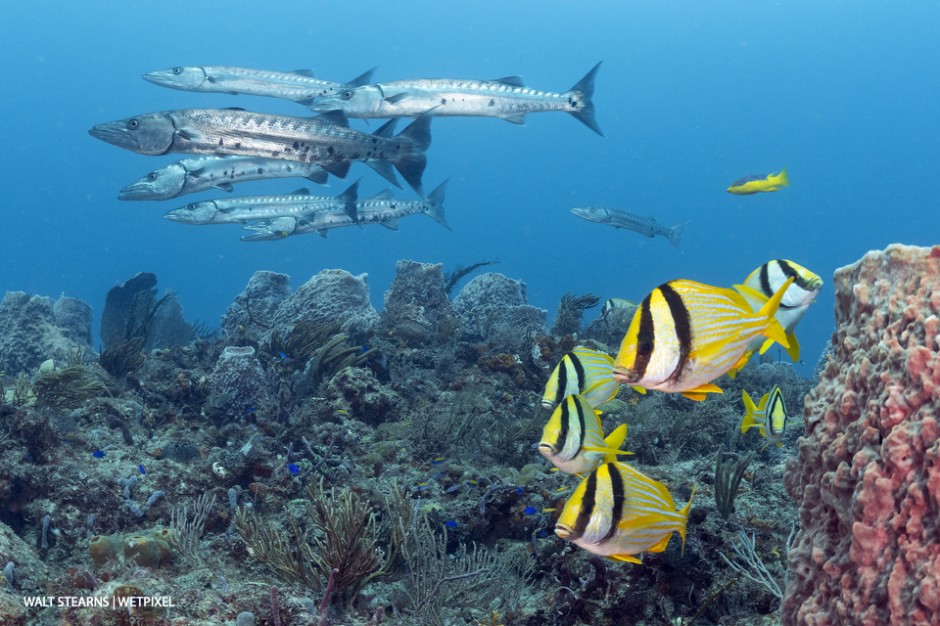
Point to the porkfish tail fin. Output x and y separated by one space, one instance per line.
684 512
749 409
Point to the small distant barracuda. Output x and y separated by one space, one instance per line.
212 172
325 140
299 86
382 209
506 98
248 208
646 226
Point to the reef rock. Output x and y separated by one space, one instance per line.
331 295
132 310
867 476
250 315
492 308
73 317
30 335
416 309
238 381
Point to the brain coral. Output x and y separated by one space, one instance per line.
867 476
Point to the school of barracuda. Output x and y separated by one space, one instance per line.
684 335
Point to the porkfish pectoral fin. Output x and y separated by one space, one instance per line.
625 558
660 546
739 365
698 393
639 390
794 348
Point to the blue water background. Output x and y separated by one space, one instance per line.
691 96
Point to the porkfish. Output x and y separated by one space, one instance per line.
763 282
760 183
769 416
686 334
573 438
584 371
619 512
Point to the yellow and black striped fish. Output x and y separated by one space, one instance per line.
763 282
756 184
619 512
769 416
583 371
686 334
573 439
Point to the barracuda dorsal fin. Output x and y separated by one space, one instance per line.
515 81
363 79
303 191
318 176
338 169
235 108
385 194
387 129
336 117
348 198
304 72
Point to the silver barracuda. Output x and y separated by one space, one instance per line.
325 140
250 208
299 86
646 226
212 172
506 98
382 209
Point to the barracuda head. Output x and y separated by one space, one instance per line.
188 78
353 101
166 182
591 214
151 133
193 213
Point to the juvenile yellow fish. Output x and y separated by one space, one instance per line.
619 512
756 184
584 371
686 334
769 416
573 439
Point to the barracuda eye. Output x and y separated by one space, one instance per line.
133 124
177 70
152 176
346 95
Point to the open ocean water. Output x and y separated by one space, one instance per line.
691 96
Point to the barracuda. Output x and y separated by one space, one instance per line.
506 98
382 209
211 172
325 140
249 208
299 86
646 226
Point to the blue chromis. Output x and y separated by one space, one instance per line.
762 283
769 416
756 184
619 512
573 438
584 371
686 334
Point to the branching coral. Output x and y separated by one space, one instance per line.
570 311
67 387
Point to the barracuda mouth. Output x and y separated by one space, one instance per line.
135 190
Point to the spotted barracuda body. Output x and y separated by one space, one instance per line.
299 86
212 172
382 209
251 208
646 226
505 98
325 140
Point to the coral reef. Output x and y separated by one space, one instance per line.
416 309
30 332
331 295
867 477
493 309
251 314
238 381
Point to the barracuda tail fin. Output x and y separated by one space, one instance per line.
410 163
384 168
436 210
585 113
673 233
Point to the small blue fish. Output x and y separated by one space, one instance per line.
520 490
250 409
437 460
421 486
141 468
530 510
293 468
98 454
542 534
282 358
451 523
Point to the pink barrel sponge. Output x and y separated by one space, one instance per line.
867 476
